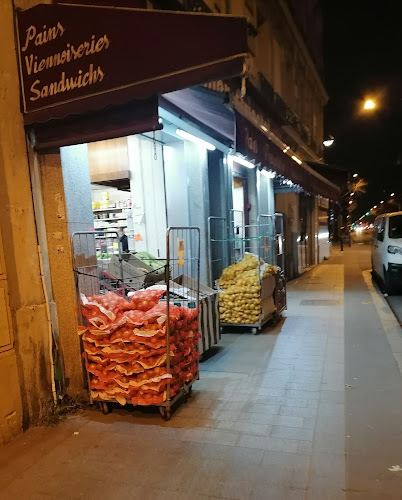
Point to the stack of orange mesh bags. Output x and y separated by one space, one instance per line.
125 344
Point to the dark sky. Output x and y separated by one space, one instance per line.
363 58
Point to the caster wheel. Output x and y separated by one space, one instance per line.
255 331
165 413
105 408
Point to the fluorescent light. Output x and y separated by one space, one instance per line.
240 160
268 173
196 140
286 149
296 159
264 128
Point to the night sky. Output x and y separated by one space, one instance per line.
363 59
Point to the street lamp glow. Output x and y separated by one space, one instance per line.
355 175
369 104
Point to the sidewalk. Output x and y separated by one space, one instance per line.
266 421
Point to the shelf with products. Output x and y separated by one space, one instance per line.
111 209
110 227
112 218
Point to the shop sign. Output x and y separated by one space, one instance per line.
241 104
253 144
70 53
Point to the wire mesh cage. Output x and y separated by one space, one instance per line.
139 338
247 294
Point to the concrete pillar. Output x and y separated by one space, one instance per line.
60 262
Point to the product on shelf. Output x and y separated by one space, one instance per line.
125 346
240 285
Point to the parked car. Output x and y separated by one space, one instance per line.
386 251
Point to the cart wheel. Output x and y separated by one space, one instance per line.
165 412
105 408
255 331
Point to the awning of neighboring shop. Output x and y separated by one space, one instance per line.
133 118
254 144
205 108
89 58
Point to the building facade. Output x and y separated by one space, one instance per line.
52 171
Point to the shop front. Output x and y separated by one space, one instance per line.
107 158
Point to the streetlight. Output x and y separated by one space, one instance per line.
369 104
328 142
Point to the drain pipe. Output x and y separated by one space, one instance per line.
50 329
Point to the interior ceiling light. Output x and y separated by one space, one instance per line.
196 140
241 161
286 149
268 173
297 160
264 128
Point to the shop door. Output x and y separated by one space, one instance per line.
303 259
239 219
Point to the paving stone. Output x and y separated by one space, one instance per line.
301 434
232 454
267 492
210 436
268 443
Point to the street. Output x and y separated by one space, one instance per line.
310 409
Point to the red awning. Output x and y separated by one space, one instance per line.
88 58
255 145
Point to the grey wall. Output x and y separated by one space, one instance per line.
77 187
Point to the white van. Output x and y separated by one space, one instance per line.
386 251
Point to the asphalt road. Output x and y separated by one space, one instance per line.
394 301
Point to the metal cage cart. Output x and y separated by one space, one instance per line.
229 244
139 343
